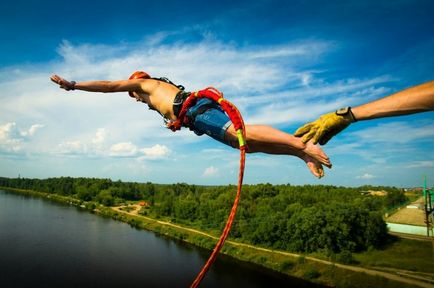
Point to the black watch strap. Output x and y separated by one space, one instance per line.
346 111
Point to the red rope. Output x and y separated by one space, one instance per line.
228 226
238 123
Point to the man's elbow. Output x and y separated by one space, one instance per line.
111 87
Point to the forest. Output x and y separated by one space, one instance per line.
310 218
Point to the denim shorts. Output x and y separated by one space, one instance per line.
213 121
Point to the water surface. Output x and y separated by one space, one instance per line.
46 244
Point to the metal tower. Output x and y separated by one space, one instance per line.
428 195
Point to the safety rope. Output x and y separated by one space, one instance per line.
237 121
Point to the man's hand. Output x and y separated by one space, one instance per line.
324 128
64 84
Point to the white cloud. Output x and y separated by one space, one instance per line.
396 132
32 130
8 140
310 100
100 136
6 130
86 145
277 53
366 176
421 164
12 138
72 147
155 152
393 142
211 172
306 79
288 113
350 89
127 149
98 145
124 149
227 66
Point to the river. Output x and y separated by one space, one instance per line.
47 244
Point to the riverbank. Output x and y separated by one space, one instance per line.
316 270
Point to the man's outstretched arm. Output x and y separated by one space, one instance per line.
416 99
412 100
134 85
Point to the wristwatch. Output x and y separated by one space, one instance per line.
73 85
346 112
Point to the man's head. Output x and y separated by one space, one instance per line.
138 75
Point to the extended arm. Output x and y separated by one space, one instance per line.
412 100
134 85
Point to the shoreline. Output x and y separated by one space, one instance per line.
293 265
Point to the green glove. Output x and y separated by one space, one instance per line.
326 126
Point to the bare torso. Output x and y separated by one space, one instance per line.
159 95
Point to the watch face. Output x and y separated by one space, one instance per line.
342 111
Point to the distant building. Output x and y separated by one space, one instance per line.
414 206
381 193
144 204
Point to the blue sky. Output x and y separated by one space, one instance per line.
283 63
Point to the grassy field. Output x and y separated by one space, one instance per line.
401 254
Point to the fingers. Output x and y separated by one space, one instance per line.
54 78
58 80
318 171
308 136
323 129
327 133
328 165
303 130
63 84
321 172
317 137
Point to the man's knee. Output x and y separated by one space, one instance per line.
231 137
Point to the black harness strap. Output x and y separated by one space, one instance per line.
178 101
164 79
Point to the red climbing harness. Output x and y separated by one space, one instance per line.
238 123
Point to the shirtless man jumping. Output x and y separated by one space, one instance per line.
206 117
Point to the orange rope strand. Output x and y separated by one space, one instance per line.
229 222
